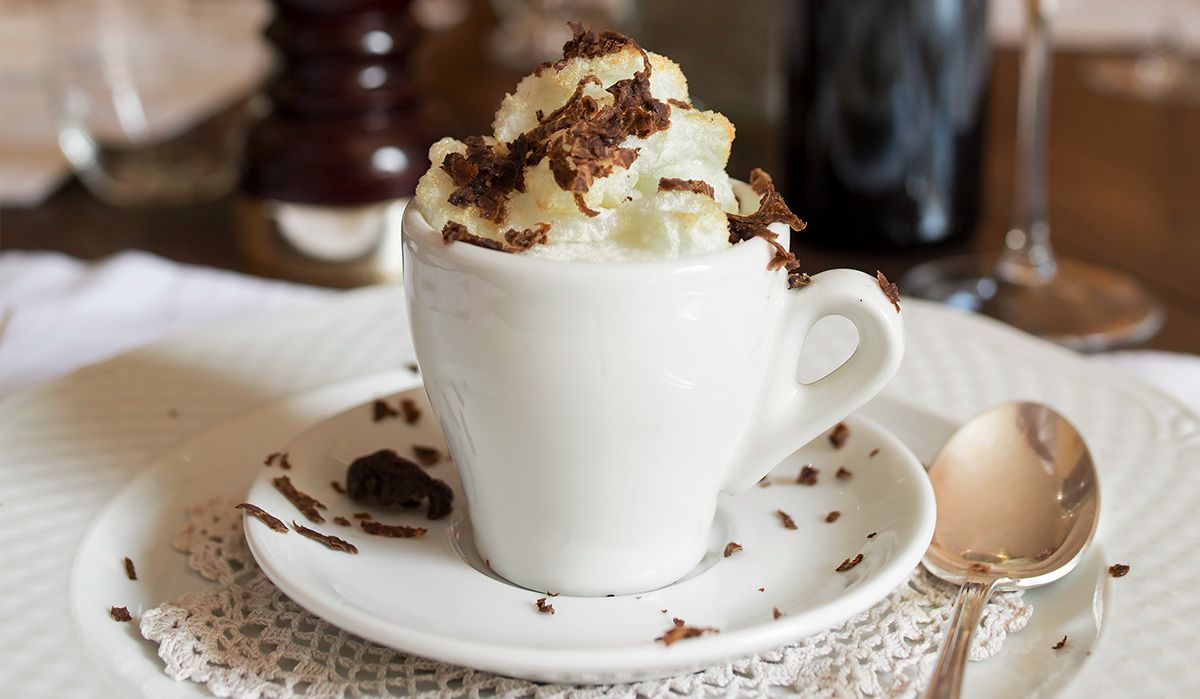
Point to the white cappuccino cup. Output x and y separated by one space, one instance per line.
596 410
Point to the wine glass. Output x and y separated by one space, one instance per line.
1078 305
151 96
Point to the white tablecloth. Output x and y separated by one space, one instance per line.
58 314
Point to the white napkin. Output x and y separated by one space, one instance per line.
58 314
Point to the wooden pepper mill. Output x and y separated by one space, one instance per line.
330 168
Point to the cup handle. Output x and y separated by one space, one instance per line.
792 414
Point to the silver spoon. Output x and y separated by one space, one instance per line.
1017 502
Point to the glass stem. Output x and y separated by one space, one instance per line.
1027 258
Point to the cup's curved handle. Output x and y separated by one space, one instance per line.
790 413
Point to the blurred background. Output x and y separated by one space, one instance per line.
1033 160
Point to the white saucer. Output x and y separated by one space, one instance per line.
436 598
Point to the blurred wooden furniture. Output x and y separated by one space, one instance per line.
1123 188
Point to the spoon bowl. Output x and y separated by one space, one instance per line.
1017 505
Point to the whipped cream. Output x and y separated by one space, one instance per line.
600 157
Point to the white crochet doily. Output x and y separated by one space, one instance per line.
244 638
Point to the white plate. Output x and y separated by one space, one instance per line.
68 447
435 597
143 519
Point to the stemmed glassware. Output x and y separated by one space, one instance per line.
1075 304
151 97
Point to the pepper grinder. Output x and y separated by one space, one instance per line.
331 166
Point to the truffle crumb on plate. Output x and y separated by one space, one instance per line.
839 435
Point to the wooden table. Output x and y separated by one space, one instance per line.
1124 184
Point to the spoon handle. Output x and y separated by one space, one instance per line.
946 682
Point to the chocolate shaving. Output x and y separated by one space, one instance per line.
426 456
1062 642
328 540
808 475
677 622
454 231
1118 570
586 43
522 240
393 480
732 548
832 517
872 535
771 209
380 410
484 176
395 531
271 458
274 523
589 145
979 568
581 139
1045 553
839 435
798 279
581 203
412 366
515 241
678 633
890 290
762 589
284 463
849 563
411 412
362 515
775 613
843 474
129 570
783 258
679 103
543 607
119 614
873 453
342 521
786 519
674 184
337 487
307 504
